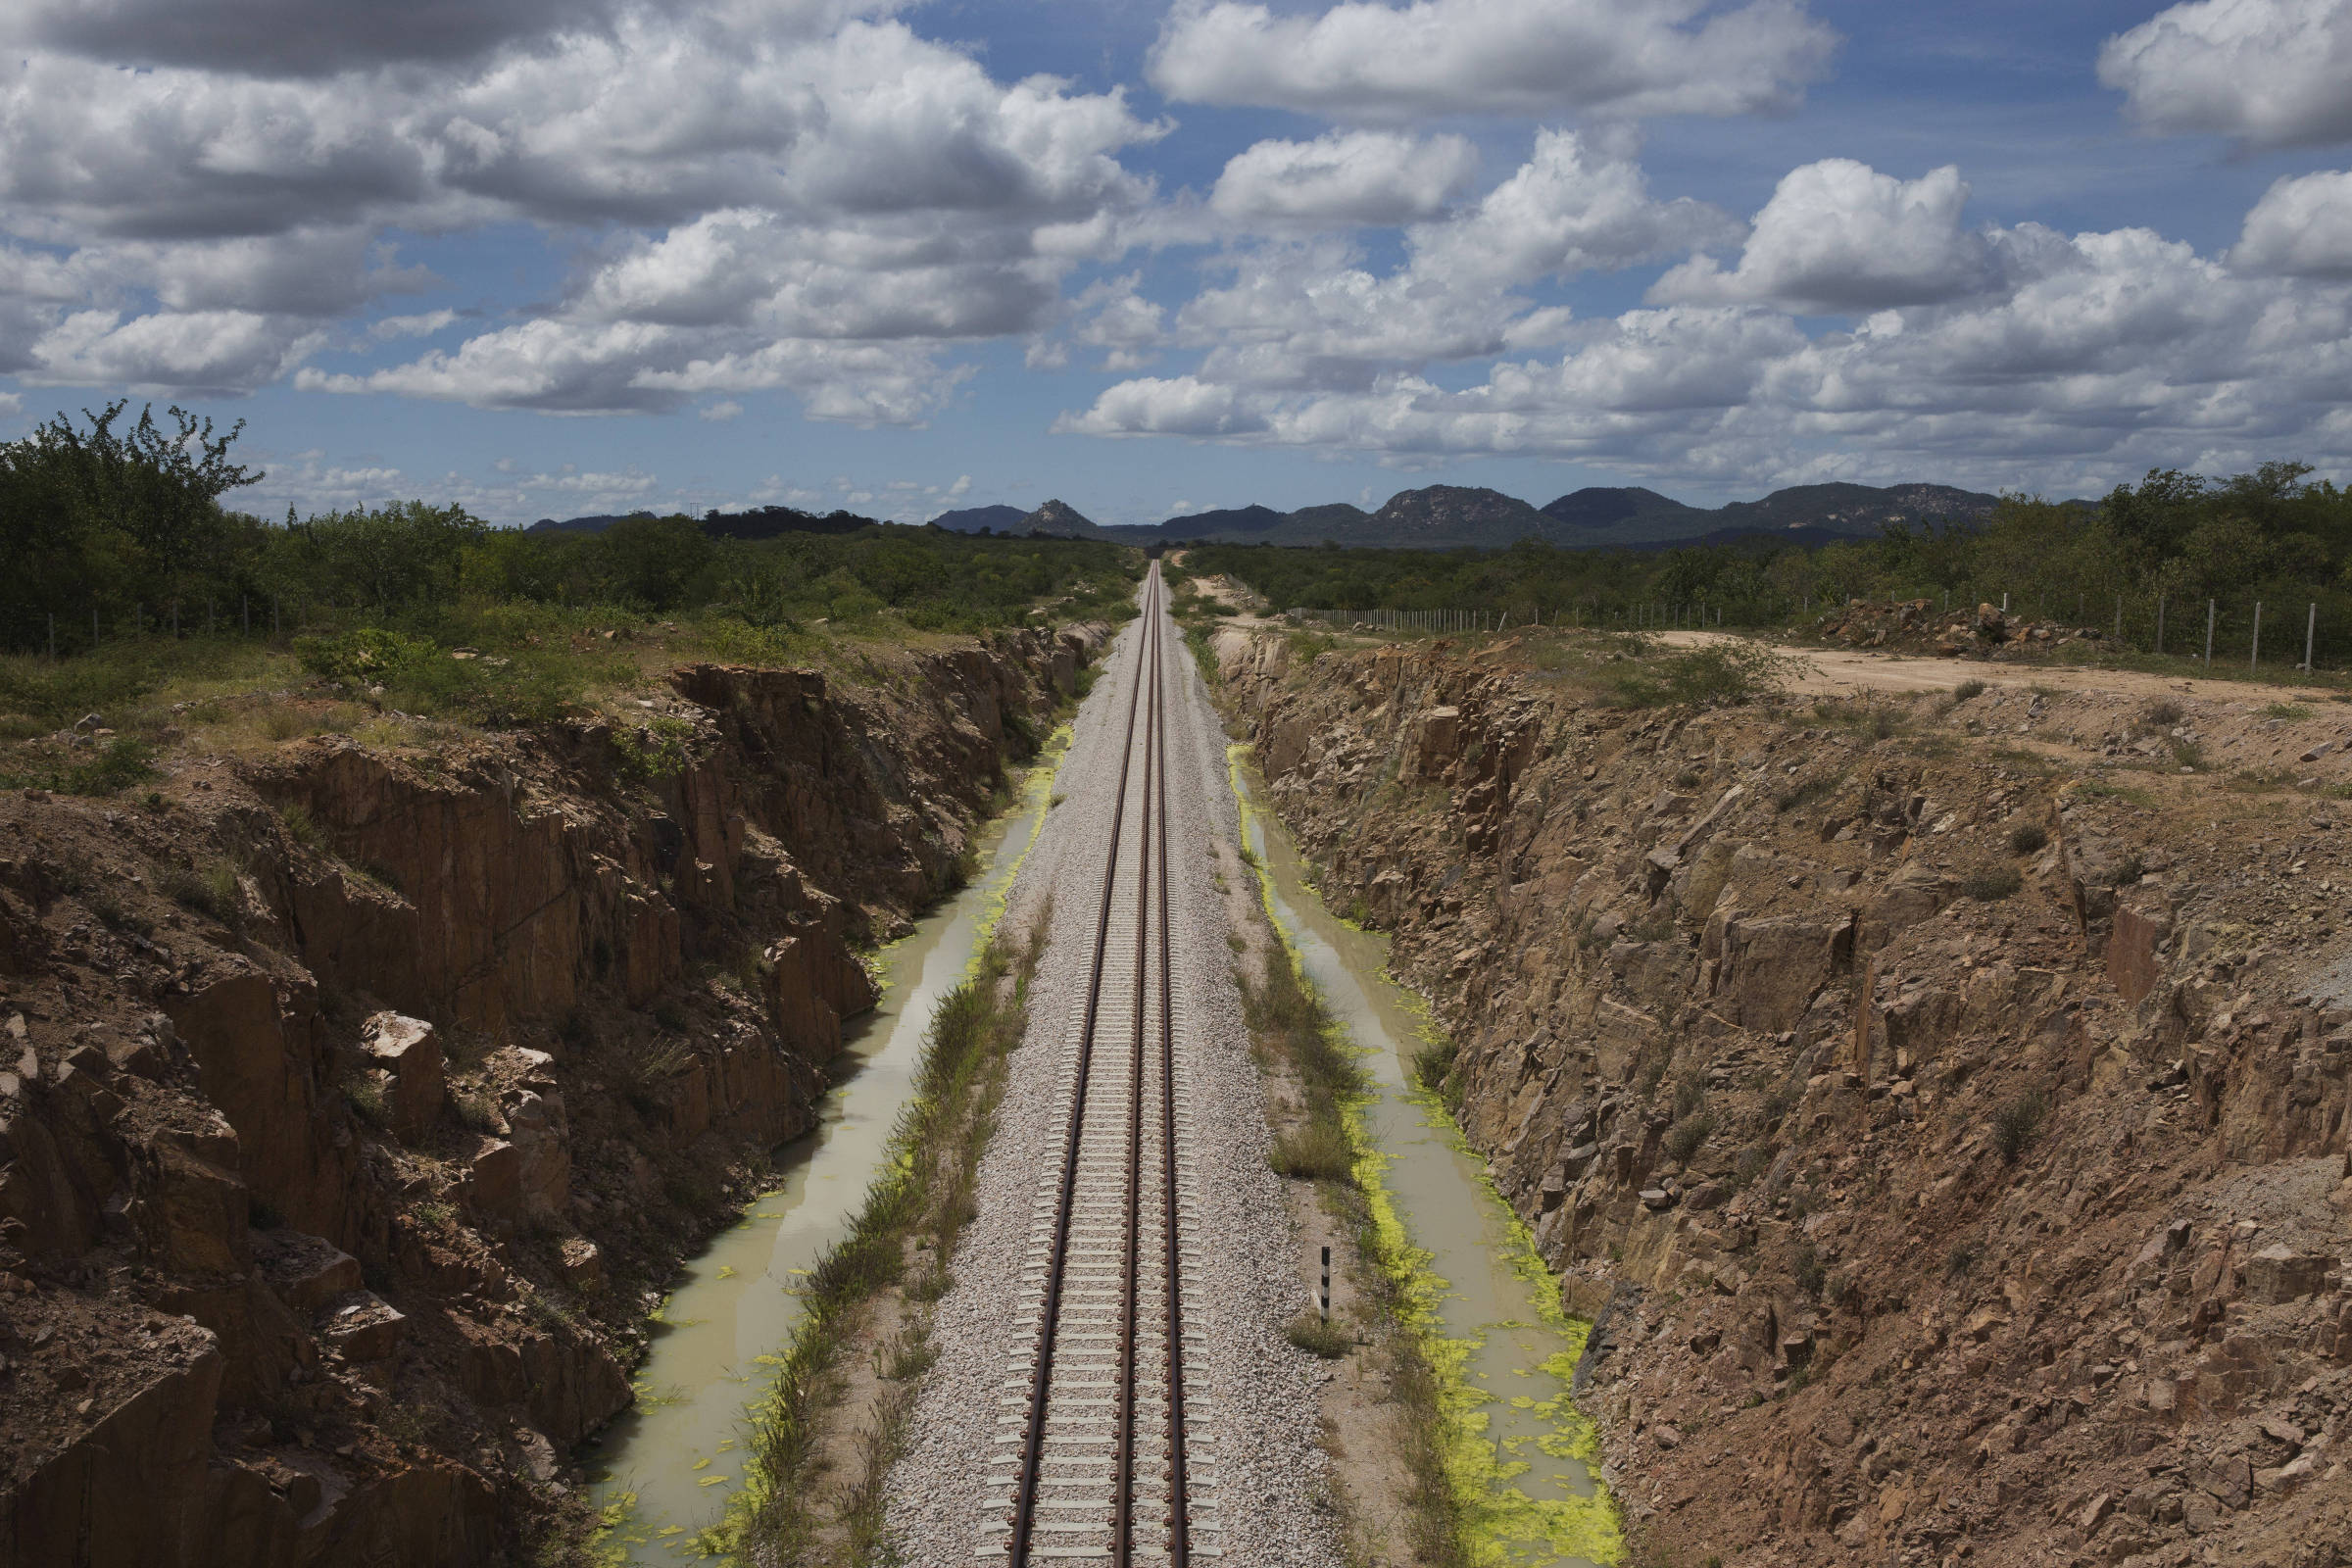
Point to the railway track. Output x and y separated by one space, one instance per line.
1101 1449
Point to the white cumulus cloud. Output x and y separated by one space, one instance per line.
2303 226
1839 237
2271 72
1364 60
2106 354
796 194
1362 177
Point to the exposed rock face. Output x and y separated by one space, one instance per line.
317 1232
1954 1128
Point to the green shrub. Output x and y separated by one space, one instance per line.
365 1091
2016 1124
1805 1263
1315 1152
296 820
1687 1137
1721 674
116 915
1432 1062
1319 1335
123 764
1990 884
211 890
2028 838
1967 691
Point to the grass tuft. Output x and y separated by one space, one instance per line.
924 1192
1990 884
1319 1335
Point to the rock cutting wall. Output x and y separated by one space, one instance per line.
361 1100
1941 1105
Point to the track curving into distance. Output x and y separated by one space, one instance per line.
1102 1464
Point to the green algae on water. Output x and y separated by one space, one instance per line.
1502 1524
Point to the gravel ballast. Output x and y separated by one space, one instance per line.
1272 1476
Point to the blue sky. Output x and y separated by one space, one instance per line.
544 257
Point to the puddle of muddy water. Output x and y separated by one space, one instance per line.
674 1459
1499 1323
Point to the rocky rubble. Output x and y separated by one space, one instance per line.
1916 626
1941 1103
359 1099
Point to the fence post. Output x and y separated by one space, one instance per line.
2254 658
2118 617
245 608
2160 623
2311 626
2004 602
2208 634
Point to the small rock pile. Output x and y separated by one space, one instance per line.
1915 626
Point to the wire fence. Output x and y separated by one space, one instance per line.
35 630
2252 635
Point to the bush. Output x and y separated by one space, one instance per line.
1967 691
1721 674
1687 1137
1804 792
1962 1259
1316 1151
211 890
2028 838
124 764
1991 884
2016 1124
1806 1265
1432 1062
1317 1334
300 826
2162 714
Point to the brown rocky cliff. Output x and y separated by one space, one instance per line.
330 1203
1958 1123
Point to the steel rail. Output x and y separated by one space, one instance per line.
1033 1448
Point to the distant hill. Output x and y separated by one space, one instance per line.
971 519
1452 516
1061 520
759 522
592 524
1596 507
1439 517
766 522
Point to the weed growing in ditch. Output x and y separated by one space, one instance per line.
1319 1335
1292 1030
918 1205
1287 1019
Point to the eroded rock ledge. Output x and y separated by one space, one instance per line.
360 1100
1945 1103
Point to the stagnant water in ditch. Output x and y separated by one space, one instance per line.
1498 1311
673 1459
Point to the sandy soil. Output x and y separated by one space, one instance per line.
1838 670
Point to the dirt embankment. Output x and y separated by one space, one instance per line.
1941 1105
359 1101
